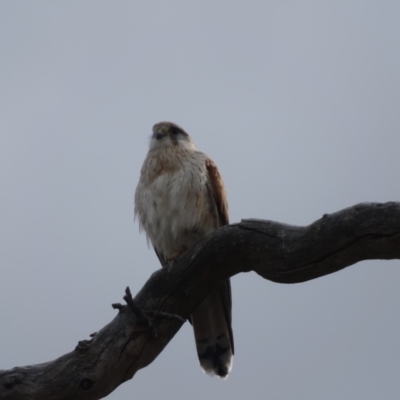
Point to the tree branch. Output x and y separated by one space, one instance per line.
137 335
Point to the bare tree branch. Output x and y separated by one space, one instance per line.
137 335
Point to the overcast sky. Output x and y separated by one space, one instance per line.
297 102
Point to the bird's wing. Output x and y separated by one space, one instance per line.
217 192
212 319
219 199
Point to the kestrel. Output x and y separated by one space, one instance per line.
180 199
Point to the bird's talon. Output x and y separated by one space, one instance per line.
176 255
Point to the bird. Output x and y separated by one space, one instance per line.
180 199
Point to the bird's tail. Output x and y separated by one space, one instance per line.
213 331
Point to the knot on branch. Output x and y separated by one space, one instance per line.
86 384
142 318
83 345
11 380
146 318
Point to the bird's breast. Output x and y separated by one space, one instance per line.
173 200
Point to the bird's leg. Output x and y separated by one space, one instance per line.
177 254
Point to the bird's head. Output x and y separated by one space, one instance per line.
167 134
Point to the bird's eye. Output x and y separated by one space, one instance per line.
175 131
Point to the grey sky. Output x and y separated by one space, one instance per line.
297 102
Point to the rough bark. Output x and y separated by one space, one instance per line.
277 252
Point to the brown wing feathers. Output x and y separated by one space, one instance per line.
212 319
